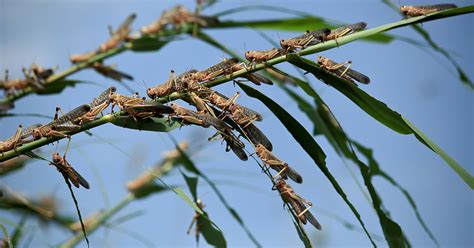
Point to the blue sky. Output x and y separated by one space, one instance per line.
420 85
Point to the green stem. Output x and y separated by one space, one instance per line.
99 221
44 141
55 78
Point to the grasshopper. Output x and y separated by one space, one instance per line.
225 103
241 115
197 229
344 30
309 38
284 170
12 86
110 72
224 67
40 74
138 107
58 126
173 84
12 142
179 15
232 143
343 70
68 171
227 67
79 58
412 11
296 202
147 108
200 103
121 101
259 56
97 105
199 118
157 25
119 35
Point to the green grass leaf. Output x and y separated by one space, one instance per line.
299 24
306 142
379 111
58 86
146 44
148 189
148 124
192 185
212 234
375 170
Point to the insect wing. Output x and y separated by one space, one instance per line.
256 136
76 178
359 77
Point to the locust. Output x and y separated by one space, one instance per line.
198 118
241 115
157 25
58 126
41 74
110 72
65 168
258 56
14 85
200 103
79 58
283 169
195 220
232 143
173 84
97 105
343 70
412 11
147 108
179 15
296 202
227 67
12 142
120 35
138 107
121 101
344 30
224 103
309 38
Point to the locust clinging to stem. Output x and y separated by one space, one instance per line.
297 203
343 70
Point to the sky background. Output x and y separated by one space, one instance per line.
420 85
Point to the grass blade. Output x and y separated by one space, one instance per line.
212 234
299 24
379 111
149 124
